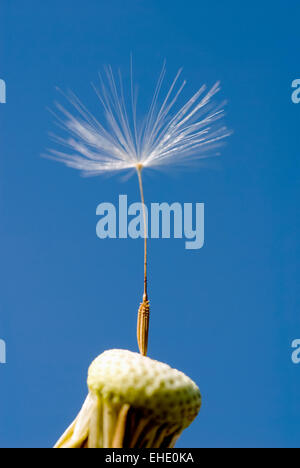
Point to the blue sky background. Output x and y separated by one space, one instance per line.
227 314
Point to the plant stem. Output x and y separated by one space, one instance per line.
144 310
139 172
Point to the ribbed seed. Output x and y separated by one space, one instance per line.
143 326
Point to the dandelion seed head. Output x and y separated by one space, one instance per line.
123 141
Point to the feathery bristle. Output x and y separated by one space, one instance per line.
165 136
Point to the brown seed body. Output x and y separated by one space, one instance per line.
143 326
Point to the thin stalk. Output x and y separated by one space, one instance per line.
139 172
144 310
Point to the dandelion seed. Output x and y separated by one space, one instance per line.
165 137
